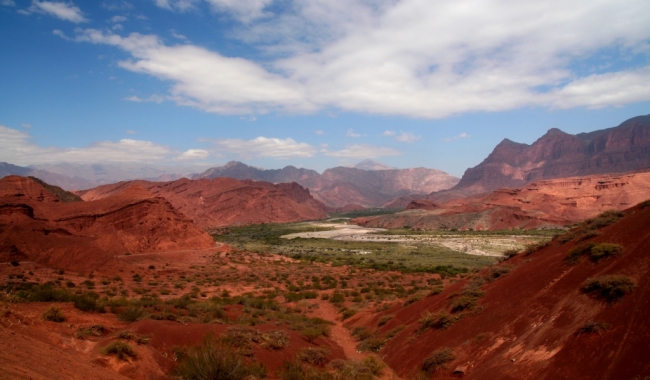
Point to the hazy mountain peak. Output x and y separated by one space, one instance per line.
372 165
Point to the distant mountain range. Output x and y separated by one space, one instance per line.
555 155
341 186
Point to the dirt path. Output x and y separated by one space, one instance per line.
338 333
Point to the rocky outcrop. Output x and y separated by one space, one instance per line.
36 225
558 154
540 204
226 201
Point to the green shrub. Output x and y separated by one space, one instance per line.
604 250
94 330
440 320
463 302
496 272
313 355
132 314
384 319
438 359
275 340
574 254
216 360
609 287
121 350
603 220
87 302
54 314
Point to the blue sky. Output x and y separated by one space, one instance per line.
314 83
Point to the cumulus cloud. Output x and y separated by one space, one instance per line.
194 154
319 132
407 137
265 147
460 136
205 79
64 11
176 5
16 147
388 133
352 133
362 151
243 10
118 19
371 57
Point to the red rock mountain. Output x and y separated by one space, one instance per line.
226 201
340 186
36 225
542 203
531 317
554 155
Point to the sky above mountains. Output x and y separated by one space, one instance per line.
315 83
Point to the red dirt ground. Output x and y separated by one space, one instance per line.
528 323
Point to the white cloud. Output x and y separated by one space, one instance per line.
26 125
460 136
407 137
265 147
371 57
176 5
319 132
16 147
130 132
178 35
64 11
205 79
194 154
363 151
352 133
243 10
152 99
8 3
388 133
118 18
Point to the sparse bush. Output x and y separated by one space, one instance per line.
241 337
14 263
533 247
275 340
395 331
496 272
347 313
94 330
311 333
604 250
313 355
440 320
510 253
54 314
438 359
131 314
574 254
609 287
463 302
593 327
121 350
216 360
384 319
603 220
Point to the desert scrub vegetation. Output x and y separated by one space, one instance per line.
589 228
214 359
122 351
54 314
382 256
437 359
441 320
595 252
610 288
384 319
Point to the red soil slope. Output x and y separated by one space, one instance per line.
36 226
544 203
225 201
528 323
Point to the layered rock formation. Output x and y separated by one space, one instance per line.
542 203
340 186
555 155
36 225
226 201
